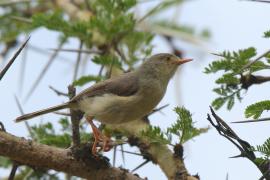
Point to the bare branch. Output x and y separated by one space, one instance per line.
59 93
78 162
3 72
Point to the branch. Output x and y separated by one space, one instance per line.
249 80
244 147
79 163
171 164
75 119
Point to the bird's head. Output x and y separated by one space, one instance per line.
164 64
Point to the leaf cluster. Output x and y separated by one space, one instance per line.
255 110
231 65
264 149
183 129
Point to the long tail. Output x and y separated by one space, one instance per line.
41 112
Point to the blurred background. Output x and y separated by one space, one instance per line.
233 25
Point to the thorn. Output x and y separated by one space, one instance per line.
77 51
141 165
158 109
42 73
77 62
250 121
59 93
114 155
3 72
22 113
237 156
128 152
123 154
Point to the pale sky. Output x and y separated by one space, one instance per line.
233 24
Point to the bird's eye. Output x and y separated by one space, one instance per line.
168 58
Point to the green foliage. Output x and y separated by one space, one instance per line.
231 61
155 135
107 60
255 110
264 149
45 134
231 65
5 162
11 29
86 79
267 34
55 21
183 129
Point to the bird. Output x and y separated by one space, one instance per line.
121 99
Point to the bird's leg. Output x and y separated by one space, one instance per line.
98 137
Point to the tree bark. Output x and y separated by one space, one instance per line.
78 163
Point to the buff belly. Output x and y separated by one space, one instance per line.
113 109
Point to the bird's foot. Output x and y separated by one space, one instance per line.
99 139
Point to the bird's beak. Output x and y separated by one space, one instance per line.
182 61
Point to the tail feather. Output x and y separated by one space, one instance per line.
41 112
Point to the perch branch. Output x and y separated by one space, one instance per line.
79 163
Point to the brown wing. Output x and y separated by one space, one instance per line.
124 85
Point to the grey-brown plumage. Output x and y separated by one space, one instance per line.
127 97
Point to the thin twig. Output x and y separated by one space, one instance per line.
13 171
128 152
59 93
43 72
3 72
255 60
22 70
101 70
114 155
46 53
123 154
77 62
22 113
225 131
62 113
141 165
21 19
158 109
78 51
253 120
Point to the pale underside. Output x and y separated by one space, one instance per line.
114 109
